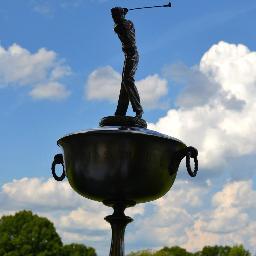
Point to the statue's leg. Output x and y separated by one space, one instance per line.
123 100
129 82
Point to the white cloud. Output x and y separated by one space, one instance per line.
41 70
236 194
171 216
189 215
232 219
80 238
52 90
152 89
183 194
233 67
198 88
37 193
222 124
225 220
104 84
77 219
192 217
135 211
85 219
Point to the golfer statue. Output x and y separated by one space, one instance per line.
126 32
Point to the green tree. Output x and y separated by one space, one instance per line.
27 234
173 251
141 253
214 251
239 251
77 250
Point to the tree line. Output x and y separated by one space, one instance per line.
237 250
27 234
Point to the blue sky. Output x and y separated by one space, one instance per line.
60 65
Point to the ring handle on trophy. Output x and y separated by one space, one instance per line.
192 153
188 152
58 159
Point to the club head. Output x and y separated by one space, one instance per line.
169 5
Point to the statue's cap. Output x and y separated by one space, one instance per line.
118 11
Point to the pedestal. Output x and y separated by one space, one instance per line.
118 221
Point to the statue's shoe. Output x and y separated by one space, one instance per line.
139 115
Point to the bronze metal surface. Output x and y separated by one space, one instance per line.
121 164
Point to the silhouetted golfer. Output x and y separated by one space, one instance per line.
126 33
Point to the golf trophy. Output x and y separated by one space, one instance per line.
122 163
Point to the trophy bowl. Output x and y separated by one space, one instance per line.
121 164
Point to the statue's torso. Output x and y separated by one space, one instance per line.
126 33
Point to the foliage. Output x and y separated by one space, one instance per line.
215 251
28 234
77 250
141 253
173 251
206 251
223 251
238 251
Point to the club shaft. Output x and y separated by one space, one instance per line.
147 7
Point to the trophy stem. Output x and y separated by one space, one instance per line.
118 221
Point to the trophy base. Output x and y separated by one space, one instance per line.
123 121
